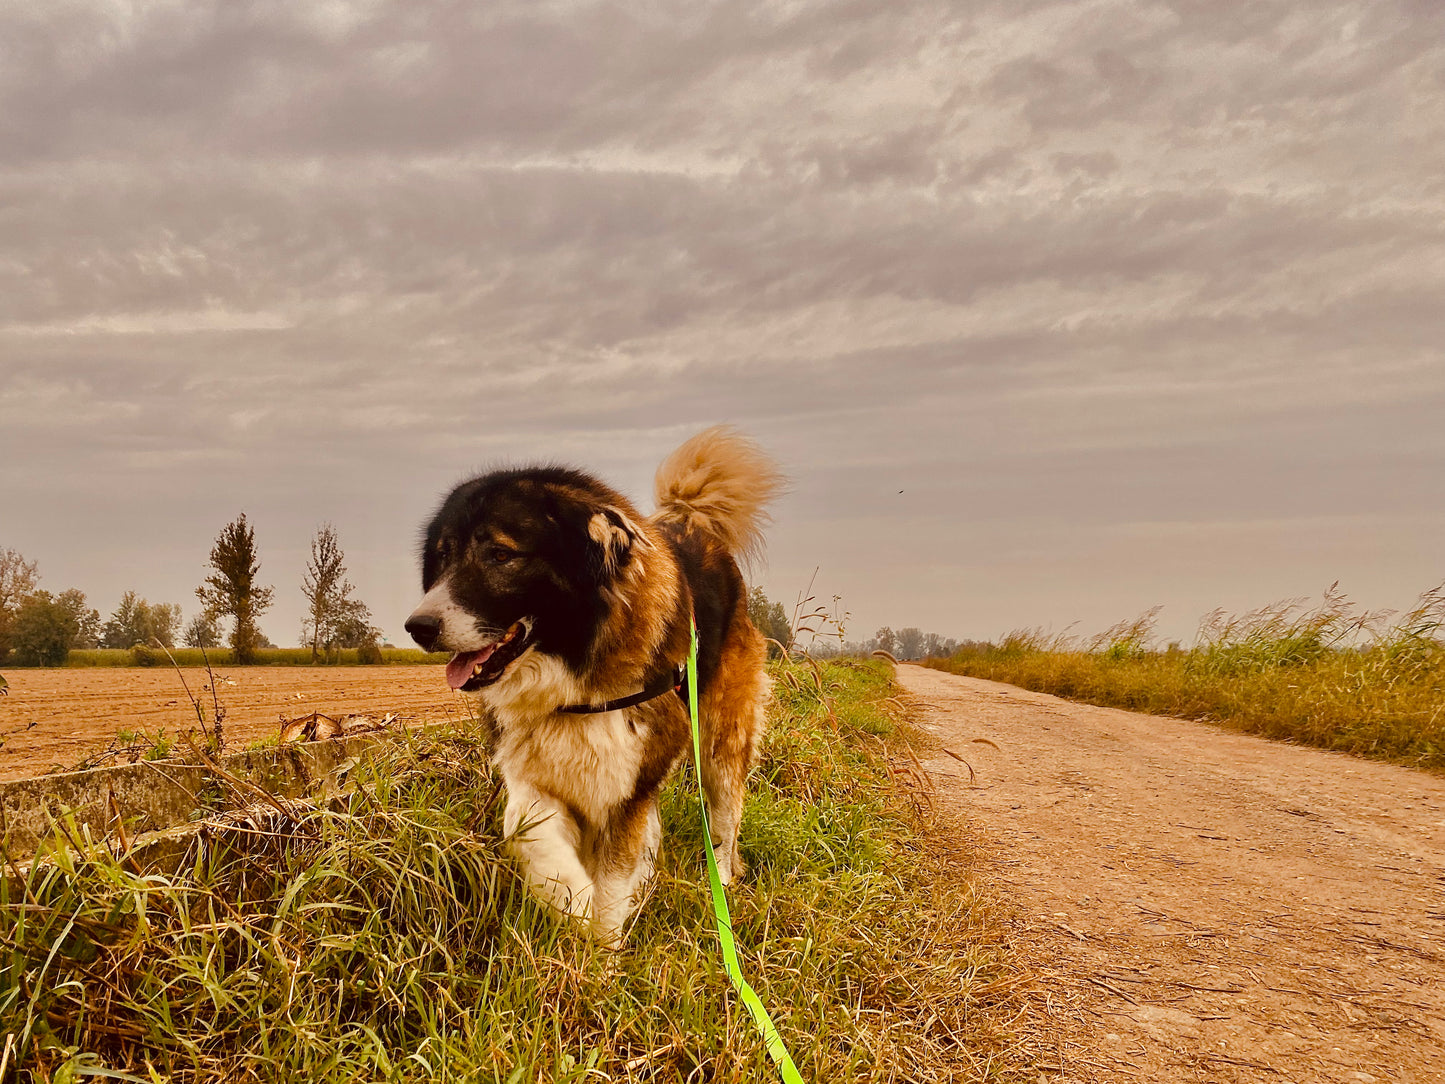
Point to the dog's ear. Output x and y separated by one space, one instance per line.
618 540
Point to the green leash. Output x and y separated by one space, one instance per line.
771 1039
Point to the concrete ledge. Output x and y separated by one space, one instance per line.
153 796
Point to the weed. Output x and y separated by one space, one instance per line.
129 747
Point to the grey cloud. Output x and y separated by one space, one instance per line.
1096 266
402 78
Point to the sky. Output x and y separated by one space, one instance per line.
1051 312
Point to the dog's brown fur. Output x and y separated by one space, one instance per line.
582 789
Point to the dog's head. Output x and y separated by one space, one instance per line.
521 560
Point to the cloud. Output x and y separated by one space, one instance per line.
287 255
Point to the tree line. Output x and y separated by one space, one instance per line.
38 628
771 619
904 644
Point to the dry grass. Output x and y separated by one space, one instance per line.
385 936
1328 674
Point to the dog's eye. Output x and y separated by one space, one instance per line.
500 555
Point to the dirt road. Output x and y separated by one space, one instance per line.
1202 905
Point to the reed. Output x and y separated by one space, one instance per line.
1327 674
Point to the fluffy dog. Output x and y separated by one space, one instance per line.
559 600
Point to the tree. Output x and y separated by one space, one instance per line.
165 619
203 631
18 580
124 627
353 627
886 639
769 618
43 630
936 646
332 615
137 621
910 643
87 620
231 589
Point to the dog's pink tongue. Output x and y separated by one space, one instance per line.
459 670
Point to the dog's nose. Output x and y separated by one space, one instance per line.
424 629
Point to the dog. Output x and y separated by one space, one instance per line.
570 615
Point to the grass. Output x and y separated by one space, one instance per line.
388 938
151 748
1327 674
221 656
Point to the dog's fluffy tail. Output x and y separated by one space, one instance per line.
720 482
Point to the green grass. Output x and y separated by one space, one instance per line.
1326 675
221 656
389 939
149 748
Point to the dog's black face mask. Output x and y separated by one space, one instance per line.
515 560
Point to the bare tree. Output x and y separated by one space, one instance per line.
18 580
231 589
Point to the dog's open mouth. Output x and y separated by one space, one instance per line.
469 671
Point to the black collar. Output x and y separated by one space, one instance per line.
673 681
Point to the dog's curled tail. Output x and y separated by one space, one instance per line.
720 482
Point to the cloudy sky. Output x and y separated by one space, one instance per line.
1051 311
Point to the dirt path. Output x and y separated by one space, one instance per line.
1204 906
54 718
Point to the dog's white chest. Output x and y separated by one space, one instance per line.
590 762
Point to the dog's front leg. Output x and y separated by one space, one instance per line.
546 839
627 859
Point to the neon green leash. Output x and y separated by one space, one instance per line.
771 1039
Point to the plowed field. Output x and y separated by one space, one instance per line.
55 718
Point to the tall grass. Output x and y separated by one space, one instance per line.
1327 674
387 938
223 656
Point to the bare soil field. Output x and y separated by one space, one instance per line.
1200 905
55 718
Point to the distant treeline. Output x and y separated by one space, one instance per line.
819 632
905 644
38 628
265 656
